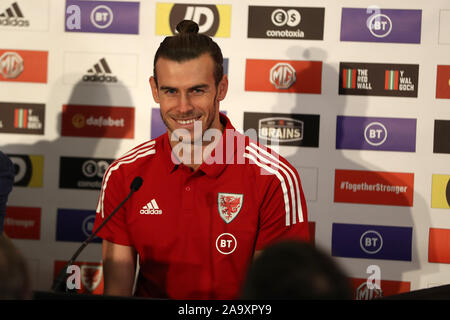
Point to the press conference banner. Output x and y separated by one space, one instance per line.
354 94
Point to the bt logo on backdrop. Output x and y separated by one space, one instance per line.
102 16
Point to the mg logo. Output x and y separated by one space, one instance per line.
375 133
102 17
371 242
282 75
380 25
363 292
11 65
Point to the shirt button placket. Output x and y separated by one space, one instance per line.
188 196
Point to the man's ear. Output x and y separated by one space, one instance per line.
154 87
222 88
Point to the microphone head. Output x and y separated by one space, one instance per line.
136 184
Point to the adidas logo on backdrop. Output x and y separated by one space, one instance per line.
100 72
151 208
13 17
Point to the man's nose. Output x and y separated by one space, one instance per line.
185 103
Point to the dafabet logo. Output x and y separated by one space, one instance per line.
98 121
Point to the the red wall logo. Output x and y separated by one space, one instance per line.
23 66
23 223
98 121
374 187
283 76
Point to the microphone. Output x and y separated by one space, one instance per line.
59 284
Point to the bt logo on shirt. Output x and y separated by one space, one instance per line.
226 243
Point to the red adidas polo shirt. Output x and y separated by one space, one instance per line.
196 231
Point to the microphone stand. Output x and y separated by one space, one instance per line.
59 285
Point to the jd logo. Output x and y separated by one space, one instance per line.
447 192
206 16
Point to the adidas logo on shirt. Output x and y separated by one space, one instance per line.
13 16
151 208
100 72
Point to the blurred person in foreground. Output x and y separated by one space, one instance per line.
14 277
293 270
211 198
6 183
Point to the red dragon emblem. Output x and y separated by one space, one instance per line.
229 205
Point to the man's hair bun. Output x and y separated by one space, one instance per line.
187 26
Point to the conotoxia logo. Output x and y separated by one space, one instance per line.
23 66
98 121
372 187
285 22
283 76
213 20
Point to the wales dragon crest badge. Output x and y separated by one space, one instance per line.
229 205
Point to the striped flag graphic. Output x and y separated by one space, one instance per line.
391 80
20 118
349 78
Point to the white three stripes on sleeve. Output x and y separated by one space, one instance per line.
129 157
267 161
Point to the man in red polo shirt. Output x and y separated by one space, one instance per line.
211 198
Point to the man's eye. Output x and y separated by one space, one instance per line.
170 91
198 91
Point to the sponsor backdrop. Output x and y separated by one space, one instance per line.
354 92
